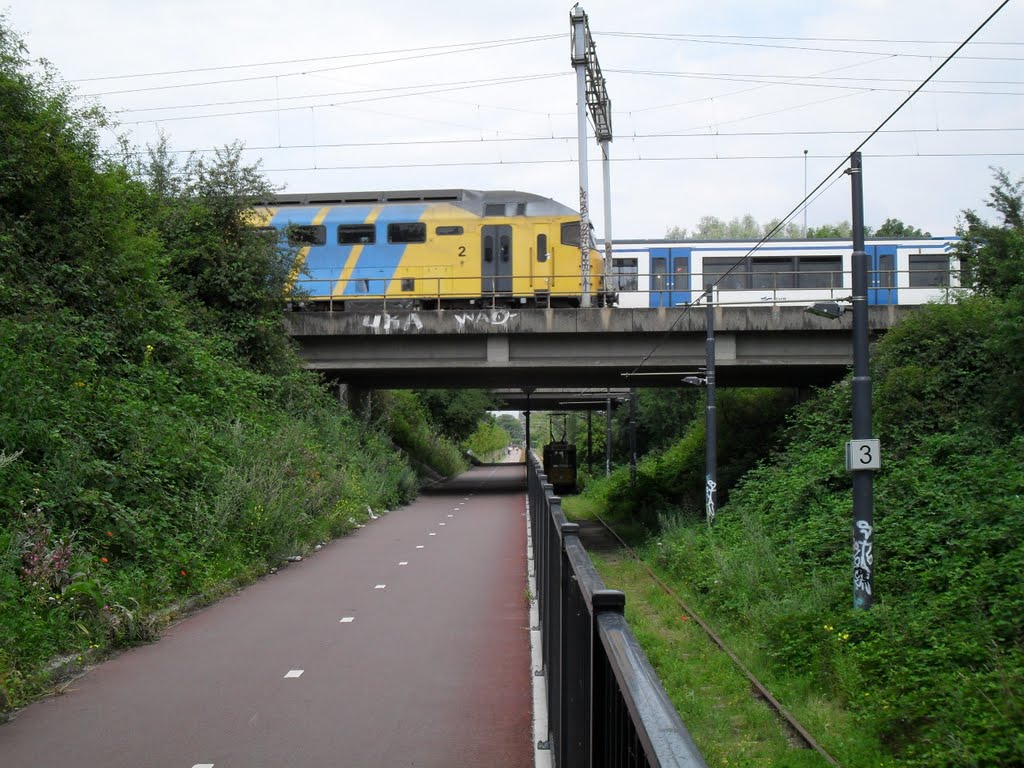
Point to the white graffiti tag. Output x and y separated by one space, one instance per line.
710 486
484 317
863 558
387 323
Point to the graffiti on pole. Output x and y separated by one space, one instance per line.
863 557
710 486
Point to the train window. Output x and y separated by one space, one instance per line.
659 265
929 270
542 248
448 231
408 284
303 234
504 248
625 271
571 233
489 248
357 234
819 272
407 232
771 274
520 209
727 274
494 209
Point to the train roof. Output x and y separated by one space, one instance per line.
480 202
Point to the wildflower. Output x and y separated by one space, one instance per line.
828 627
183 573
104 560
110 533
684 617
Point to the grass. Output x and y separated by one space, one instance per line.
728 721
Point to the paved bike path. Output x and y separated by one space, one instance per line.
407 644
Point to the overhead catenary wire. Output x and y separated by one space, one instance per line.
195 70
482 47
691 158
562 138
813 49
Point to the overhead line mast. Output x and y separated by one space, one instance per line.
591 91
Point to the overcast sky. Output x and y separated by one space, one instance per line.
714 104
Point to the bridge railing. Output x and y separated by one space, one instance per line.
606 706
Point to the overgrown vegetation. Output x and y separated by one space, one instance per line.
934 673
158 439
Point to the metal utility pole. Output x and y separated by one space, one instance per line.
632 435
591 91
863 454
529 446
608 438
711 420
590 441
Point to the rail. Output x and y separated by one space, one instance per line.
606 706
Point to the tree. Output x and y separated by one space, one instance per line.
235 277
896 228
789 231
512 425
456 412
839 231
993 255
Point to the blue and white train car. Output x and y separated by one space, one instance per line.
663 273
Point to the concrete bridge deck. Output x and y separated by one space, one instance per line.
755 346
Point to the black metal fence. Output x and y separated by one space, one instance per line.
606 706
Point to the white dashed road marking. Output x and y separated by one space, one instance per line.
380 586
419 546
295 673
404 562
347 620
431 534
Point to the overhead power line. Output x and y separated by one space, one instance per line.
280 62
414 90
683 36
564 138
478 47
676 38
691 158
367 99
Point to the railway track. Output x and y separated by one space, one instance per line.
796 729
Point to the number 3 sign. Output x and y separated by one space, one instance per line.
863 454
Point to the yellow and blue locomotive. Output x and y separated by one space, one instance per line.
435 249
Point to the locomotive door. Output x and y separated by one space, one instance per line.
496 259
670 277
881 274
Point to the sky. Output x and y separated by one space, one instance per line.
721 109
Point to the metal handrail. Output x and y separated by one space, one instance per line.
781 287
606 706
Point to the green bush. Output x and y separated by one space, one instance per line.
158 438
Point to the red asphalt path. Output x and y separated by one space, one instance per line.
432 670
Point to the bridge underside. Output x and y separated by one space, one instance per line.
591 349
